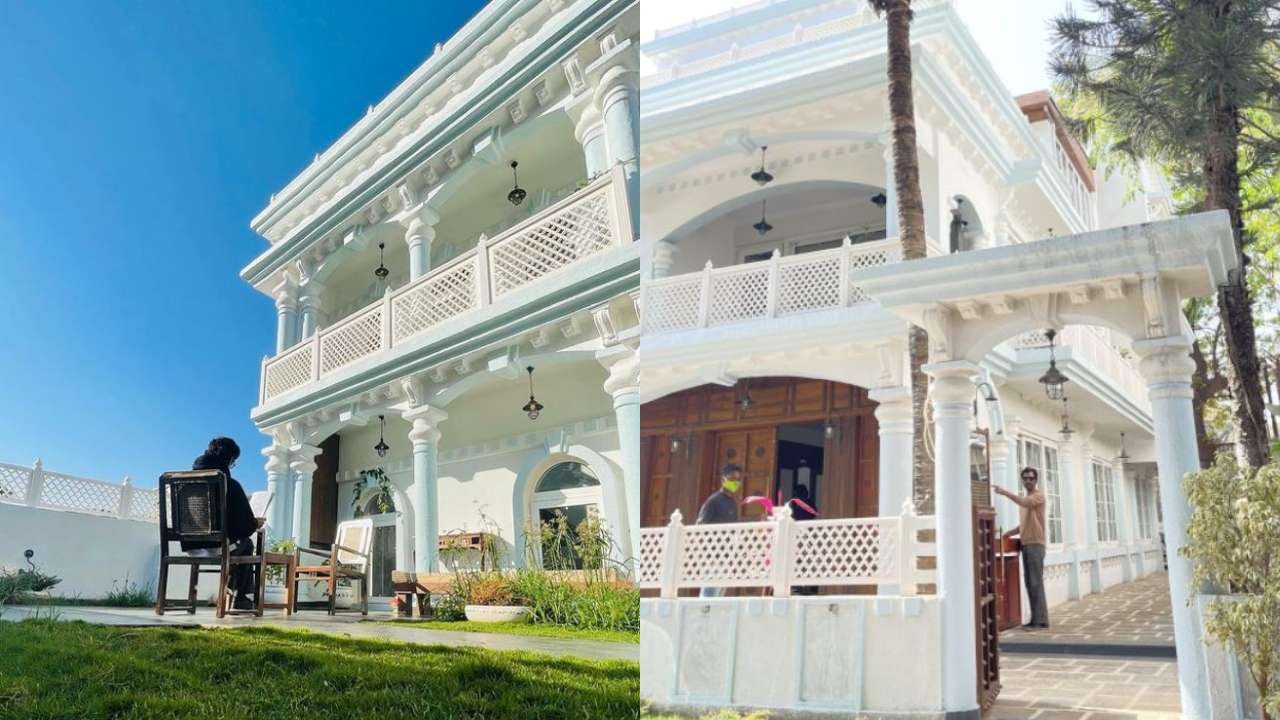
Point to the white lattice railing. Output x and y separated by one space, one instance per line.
37 487
582 225
1097 350
777 287
780 553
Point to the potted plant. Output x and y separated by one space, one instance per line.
490 600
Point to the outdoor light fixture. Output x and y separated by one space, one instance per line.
382 272
681 444
831 430
1123 457
746 402
879 200
533 407
762 177
1066 426
517 194
1053 380
988 392
382 447
763 227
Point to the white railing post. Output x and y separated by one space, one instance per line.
385 329
772 288
315 356
621 205
669 581
36 486
784 526
846 263
907 530
704 297
126 498
262 381
482 272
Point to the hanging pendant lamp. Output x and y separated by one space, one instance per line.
762 177
763 227
1053 380
382 272
517 194
533 407
382 447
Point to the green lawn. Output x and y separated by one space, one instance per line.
534 629
52 670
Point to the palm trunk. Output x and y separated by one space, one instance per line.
906 180
1222 175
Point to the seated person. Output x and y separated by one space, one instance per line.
240 522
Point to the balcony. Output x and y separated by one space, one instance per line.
1097 351
778 287
584 225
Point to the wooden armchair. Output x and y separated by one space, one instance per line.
348 559
193 508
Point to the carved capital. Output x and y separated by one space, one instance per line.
623 364
1166 365
426 421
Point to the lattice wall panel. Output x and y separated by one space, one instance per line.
729 554
446 295
653 541
739 295
809 285
578 230
288 371
865 260
14 480
73 493
354 339
144 505
843 552
672 306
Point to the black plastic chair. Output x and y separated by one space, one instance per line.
193 508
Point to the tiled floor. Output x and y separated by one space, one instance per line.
1136 613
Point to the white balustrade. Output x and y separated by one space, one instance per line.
777 287
36 487
585 224
780 552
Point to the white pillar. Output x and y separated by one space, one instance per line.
623 384
664 256
615 95
419 232
1167 366
589 131
303 464
1073 515
893 418
286 296
310 303
1006 512
425 437
277 491
952 410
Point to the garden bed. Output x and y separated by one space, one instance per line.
530 629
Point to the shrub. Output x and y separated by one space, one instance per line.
491 590
129 594
592 606
17 584
1232 539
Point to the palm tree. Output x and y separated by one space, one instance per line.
1181 82
906 182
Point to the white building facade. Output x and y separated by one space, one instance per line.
477 223
750 278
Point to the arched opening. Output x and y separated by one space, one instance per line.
567 508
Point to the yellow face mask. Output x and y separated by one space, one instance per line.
732 485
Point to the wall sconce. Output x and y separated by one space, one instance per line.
517 194
831 430
382 447
533 407
880 200
1123 457
1053 379
762 177
746 402
681 444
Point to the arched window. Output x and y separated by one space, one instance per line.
566 513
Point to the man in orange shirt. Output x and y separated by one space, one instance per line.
1031 528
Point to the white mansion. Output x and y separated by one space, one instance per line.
774 335
467 244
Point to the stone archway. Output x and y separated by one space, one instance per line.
1131 279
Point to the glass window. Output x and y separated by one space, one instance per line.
1104 501
566 476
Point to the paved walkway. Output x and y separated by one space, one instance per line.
343 624
1106 656
1131 619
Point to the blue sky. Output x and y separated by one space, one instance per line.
137 139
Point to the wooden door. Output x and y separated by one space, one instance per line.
756 450
324 493
987 642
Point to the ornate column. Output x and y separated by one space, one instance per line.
615 96
419 232
286 296
1067 484
425 437
310 304
664 256
623 384
277 490
1167 366
303 464
952 410
893 417
589 131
